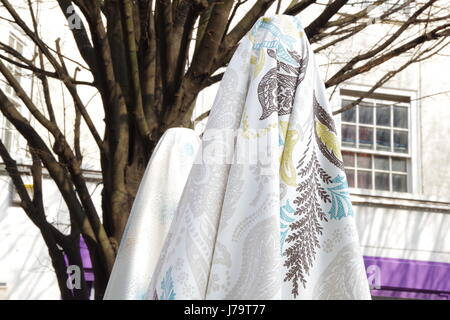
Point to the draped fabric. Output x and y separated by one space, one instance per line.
265 213
151 214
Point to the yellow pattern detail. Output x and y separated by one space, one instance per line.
287 167
329 139
250 133
251 37
288 28
291 29
259 63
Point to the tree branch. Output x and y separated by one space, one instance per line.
438 32
137 105
295 9
231 40
59 70
315 27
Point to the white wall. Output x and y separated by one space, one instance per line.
401 229
25 265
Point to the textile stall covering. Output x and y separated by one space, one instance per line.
155 203
265 213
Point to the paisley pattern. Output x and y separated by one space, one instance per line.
276 90
344 278
265 212
260 262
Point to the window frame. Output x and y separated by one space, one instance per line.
350 91
373 170
374 126
6 126
9 91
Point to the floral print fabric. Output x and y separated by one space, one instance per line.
265 213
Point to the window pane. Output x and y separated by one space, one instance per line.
400 117
399 164
384 139
19 47
7 139
381 181
18 75
349 159
348 135
350 177
364 179
399 183
382 163
11 41
383 115
366 138
349 115
364 161
366 113
401 141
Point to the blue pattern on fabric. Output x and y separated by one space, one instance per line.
167 288
276 32
189 150
341 205
285 220
281 42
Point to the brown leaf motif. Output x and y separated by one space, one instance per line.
276 90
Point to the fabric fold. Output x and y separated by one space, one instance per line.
151 215
266 212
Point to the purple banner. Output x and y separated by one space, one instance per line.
87 264
408 279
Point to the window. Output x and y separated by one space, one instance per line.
375 145
7 133
17 45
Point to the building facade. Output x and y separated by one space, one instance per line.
395 152
26 271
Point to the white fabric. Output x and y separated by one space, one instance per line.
151 214
265 213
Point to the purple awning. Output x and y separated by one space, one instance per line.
413 279
87 264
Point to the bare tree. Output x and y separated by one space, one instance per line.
138 52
